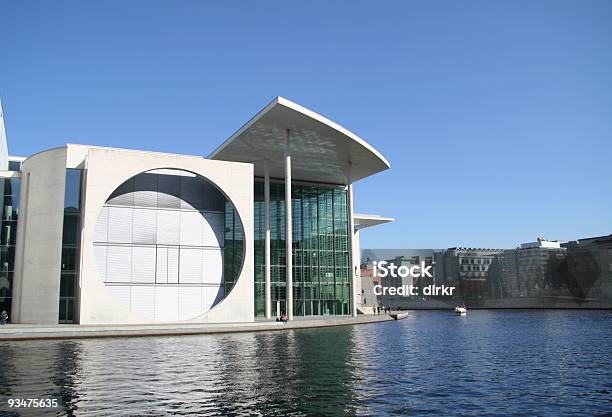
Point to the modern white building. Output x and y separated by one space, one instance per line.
97 235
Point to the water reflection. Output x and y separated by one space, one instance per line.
504 362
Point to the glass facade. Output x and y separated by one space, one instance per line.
321 250
233 254
8 234
70 247
14 165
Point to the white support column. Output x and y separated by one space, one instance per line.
268 298
353 275
288 226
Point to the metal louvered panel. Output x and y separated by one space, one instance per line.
191 228
143 301
123 195
145 226
213 229
143 264
146 199
168 227
120 224
145 190
161 271
173 265
190 302
118 264
162 254
168 201
166 303
122 293
212 266
190 268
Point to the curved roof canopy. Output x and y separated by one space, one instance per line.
321 150
368 220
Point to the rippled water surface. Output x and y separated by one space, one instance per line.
487 363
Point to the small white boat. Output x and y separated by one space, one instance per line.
460 311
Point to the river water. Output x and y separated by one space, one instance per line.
505 363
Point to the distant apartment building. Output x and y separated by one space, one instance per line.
589 268
540 274
467 269
503 275
537 265
398 257
525 271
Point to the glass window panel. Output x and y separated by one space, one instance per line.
14 165
6 284
72 196
69 259
7 258
8 234
67 284
11 207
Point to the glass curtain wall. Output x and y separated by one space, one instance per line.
233 253
70 247
8 234
321 250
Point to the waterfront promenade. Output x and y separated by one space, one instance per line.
70 331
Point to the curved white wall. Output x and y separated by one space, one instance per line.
36 283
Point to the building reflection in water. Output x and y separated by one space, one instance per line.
300 373
297 372
407 367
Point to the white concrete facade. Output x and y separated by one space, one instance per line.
40 228
36 282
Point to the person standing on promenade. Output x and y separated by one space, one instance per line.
3 317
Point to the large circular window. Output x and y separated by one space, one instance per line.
168 244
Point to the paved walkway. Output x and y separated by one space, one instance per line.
69 331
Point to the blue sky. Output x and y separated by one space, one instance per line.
496 116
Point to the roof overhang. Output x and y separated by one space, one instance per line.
321 151
368 220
